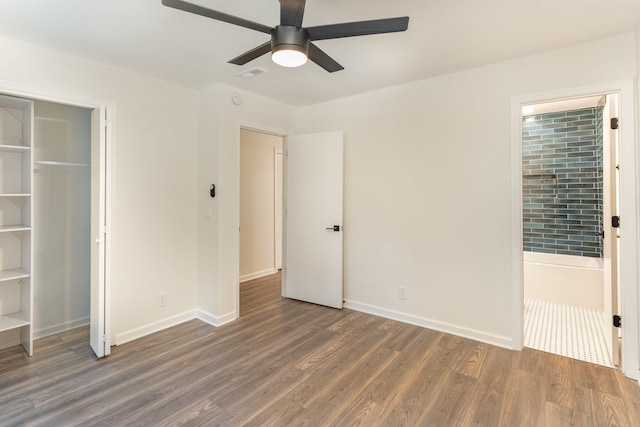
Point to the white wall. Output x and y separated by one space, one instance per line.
219 149
427 185
154 233
257 203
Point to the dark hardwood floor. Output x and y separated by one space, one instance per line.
288 363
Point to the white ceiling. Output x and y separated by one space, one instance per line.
444 36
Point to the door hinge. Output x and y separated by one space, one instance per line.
104 229
615 221
617 320
615 123
104 338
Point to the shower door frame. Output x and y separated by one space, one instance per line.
628 283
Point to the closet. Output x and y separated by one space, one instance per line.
54 197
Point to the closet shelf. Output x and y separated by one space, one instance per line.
12 228
51 163
13 320
14 148
15 273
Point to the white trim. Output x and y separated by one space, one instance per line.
449 328
42 94
154 327
629 210
60 327
564 260
174 320
257 274
214 320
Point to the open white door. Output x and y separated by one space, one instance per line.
98 337
610 239
313 218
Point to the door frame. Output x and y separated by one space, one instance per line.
628 281
262 128
40 94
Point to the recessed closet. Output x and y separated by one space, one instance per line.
45 214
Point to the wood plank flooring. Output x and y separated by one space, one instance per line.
288 363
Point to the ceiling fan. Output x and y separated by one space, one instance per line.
290 43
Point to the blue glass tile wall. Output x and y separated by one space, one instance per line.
562 182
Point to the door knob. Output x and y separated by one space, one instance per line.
334 228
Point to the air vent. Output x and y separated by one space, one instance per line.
252 72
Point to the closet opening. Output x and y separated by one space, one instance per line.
53 221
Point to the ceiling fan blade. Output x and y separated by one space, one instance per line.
252 54
214 14
291 12
361 28
323 60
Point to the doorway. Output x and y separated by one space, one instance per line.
569 186
260 242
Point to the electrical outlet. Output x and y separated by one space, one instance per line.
402 293
162 299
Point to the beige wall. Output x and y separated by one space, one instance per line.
428 197
219 163
257 203
154 222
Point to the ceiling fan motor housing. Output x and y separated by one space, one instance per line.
290 38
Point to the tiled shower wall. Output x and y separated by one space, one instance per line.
562 182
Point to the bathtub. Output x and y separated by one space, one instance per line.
564 279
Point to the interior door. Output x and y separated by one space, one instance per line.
610 238
98 336
313 218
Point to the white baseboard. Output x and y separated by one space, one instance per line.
258 274
173 321
497 340
151 328
60 327
214 320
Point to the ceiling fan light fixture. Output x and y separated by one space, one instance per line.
289 56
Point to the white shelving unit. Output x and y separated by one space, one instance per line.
16 219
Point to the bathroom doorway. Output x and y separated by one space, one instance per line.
570 193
